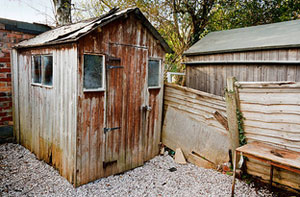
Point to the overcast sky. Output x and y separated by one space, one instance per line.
39 11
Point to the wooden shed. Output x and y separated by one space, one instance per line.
87 97
260 53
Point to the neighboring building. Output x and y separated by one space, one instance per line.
260 53
88 96
11 33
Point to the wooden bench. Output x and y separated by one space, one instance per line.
275 157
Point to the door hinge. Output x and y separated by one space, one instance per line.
111 67
111 129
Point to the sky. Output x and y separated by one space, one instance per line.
39 11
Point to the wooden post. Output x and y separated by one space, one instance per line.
234 173
231 109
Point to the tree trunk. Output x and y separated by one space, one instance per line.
62 12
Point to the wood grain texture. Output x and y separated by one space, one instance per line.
190 123
211 78
271 112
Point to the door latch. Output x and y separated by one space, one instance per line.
147 108
111 129
111 67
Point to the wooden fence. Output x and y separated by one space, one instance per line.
196 122
271 112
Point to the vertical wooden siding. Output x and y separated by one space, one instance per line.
212 77
272 116
130 41
47 115
190 124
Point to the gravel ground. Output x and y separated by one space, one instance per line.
21 174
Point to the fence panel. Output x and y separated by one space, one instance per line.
271 112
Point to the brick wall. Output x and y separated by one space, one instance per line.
7 40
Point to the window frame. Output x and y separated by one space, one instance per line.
103 70
159 71
42 70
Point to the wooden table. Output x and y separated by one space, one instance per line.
275 157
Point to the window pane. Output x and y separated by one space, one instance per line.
36 69
48 70
153 73
93 72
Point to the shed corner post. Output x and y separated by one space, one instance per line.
15 95
231 98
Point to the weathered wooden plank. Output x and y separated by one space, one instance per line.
181 131
262 170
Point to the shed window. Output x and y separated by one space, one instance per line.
47 70
42 69
36 69
154 73
93 78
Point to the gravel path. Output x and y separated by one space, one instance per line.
21 174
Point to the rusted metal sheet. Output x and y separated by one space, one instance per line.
47 115
74 32
126 44
91 134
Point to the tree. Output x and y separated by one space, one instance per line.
244 13
180 22
62 11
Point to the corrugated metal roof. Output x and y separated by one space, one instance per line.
73 32
20 26
271 36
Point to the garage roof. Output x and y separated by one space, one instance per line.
270 36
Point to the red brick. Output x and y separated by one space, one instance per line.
3 114
4 70
5 108
4 59
6 119
5 79
7 55
5 99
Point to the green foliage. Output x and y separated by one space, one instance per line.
184 22
241 119
244 13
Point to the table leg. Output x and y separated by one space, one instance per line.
234 171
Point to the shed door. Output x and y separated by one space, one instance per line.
125 97
114 103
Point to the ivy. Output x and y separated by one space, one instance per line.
241 119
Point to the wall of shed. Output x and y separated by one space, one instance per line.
45 117
212 77
271 113
129 39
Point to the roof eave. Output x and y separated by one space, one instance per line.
241 50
